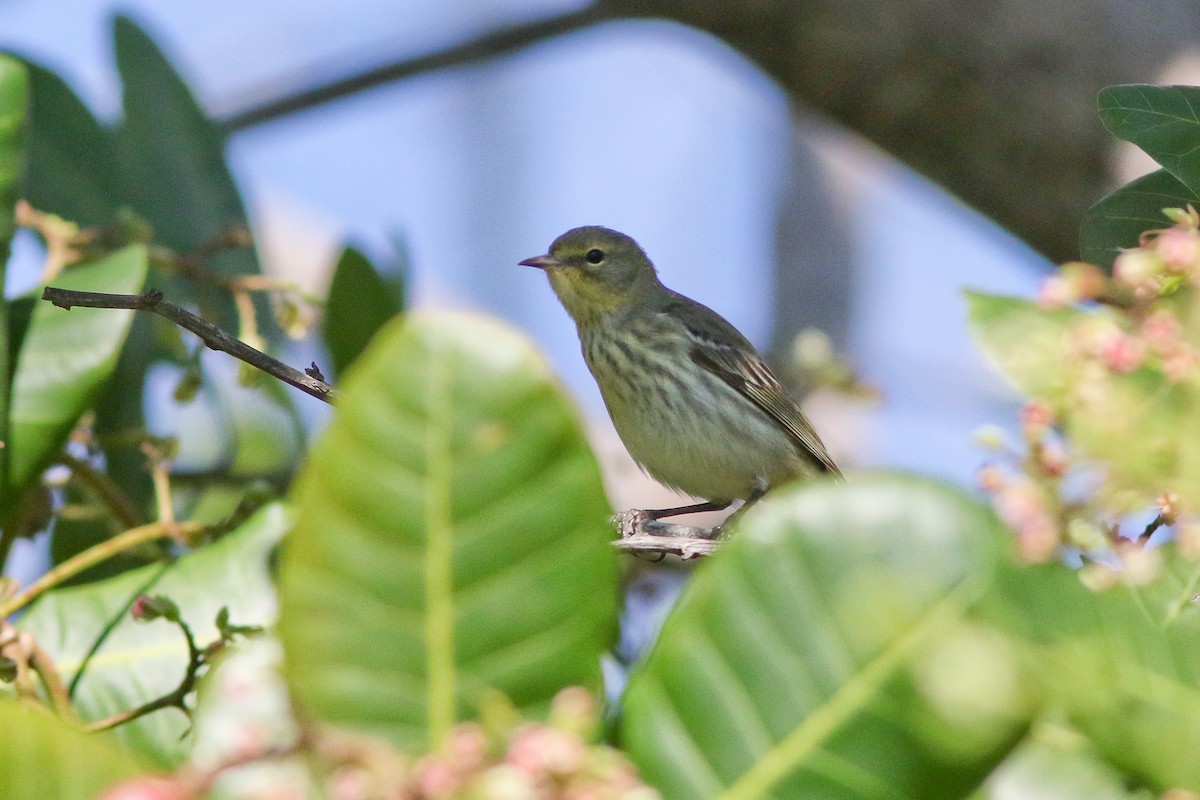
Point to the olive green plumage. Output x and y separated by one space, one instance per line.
691 399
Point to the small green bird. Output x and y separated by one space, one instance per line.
691 399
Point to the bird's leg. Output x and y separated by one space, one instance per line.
754 497
659 513
637 521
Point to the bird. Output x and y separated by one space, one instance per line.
693 402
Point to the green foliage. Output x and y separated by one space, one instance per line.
137 662
1116 222
14 95
874 639
450 537
829 652
1162 121
449 570
44 758
64 361
14 98
360 302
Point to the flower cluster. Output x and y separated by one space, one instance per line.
501 759
531 761
1100 450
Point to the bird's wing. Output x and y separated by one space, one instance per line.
719 348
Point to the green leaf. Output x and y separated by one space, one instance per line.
360 302
138 662
1116 222
45 758
828 652
451 537
65 358
14 97
173 158
1059 764
74 170
1028 345
1120 664
1162 120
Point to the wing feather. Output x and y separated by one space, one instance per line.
719 348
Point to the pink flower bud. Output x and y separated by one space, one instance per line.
1136 268
1181 365
1161 331
1122 353
991 479
1178 249
147 789
1036 419
1056 292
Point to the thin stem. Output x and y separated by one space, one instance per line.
173 699
118 503
43 665
92 556
211 335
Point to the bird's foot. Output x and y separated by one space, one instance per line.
641 532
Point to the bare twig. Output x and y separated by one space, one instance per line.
491 44
94 555
173 699
211 335
640 534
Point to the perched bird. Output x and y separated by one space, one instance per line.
691 399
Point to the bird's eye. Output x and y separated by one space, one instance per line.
594 256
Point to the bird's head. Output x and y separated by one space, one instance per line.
595 271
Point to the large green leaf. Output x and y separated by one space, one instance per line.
1124 667
73 165
1117 221
138 662
14 97
360 302
828 652
1162 120
44 758
1027 344
173 157
450 537
65 358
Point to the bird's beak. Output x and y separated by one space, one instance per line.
541 262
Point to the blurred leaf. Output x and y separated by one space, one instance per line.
1124 670
44 758
73 165
360 302
65 359
14 96
1115 222
173 157
1162 120
138 662
1058 765
828 652
14 99
1027 344
451 537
